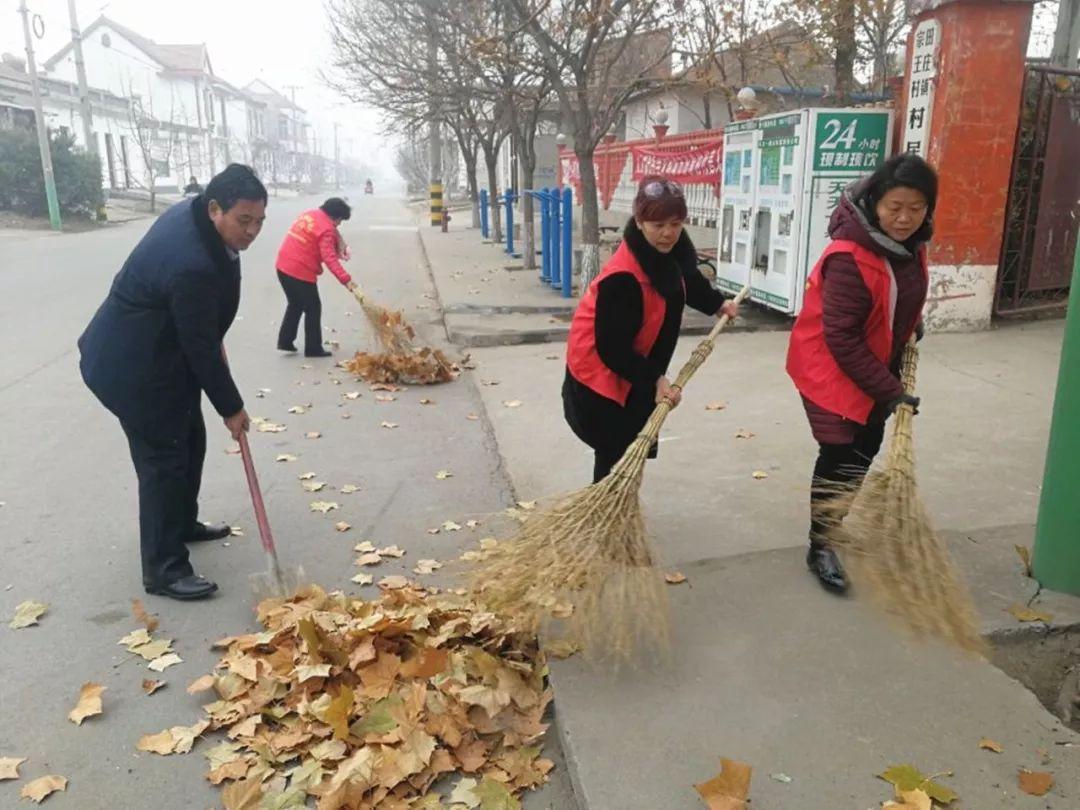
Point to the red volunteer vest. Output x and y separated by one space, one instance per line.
581 356
811 365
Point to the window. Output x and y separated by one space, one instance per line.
161 168
106 41
283 127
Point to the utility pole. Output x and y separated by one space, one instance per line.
42 130
84 89
1056 559
337 159
434 130
1066 51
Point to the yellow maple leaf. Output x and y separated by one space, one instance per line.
9 767
27 614
89 703
40 789
730 789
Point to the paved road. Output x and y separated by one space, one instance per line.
68 524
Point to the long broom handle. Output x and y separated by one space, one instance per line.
256 498
700 355
908 364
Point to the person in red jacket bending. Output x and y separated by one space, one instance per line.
624 331
312 241
863 301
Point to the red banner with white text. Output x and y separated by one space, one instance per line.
700 165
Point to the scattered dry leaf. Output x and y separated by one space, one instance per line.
745 434
389 425
236 531
1025 557
201 684
147 620
314 486
342 526
427 566
675 578
1026 614
349 489
9 767
427 401
472 417
908 777
366 547
473 524
164 662
730 789
1035 783
990 745
910 800
562 649
760 475
41 789
385 398
450 526
89 703
716 406
513 403
391 551
269 427
353 395
442 475
286 457
175 740
306 476
393 583
150 686
27 614
314 434
297 409
371 558
323 507
363 579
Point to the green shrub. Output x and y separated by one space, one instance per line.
22 185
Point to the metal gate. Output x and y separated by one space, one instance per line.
1043 210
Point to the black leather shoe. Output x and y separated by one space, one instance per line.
186 589
286 347
209 531
823 561
318 353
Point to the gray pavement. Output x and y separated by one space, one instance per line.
766 667
68 532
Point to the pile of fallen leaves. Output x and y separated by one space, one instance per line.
423 366
367 704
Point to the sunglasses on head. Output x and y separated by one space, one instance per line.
657 188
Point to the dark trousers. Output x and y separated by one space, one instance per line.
839 465
169 468
607 427
303 298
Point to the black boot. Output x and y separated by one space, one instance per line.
319 352
286 347
823 561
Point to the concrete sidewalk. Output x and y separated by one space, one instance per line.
490 299
767 667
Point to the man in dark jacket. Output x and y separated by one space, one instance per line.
155 345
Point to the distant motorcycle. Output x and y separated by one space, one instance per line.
369 188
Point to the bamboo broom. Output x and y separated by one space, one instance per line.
591 549
889 542
400 360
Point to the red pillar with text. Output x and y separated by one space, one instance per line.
970 105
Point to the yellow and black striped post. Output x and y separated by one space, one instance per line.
436 204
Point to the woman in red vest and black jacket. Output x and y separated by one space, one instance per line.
626 326
863 301
312 241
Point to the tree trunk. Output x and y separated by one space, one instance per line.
474 188
844 43
527 157
491 160
590 216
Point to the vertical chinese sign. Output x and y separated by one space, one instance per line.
921 87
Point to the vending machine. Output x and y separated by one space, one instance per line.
783 176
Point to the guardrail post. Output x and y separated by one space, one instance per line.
484 213
567 242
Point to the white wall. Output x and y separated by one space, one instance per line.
685 109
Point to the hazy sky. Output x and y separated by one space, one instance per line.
281 43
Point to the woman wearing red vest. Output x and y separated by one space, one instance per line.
624 330
312 241
863 301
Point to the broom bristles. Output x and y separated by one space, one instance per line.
889 543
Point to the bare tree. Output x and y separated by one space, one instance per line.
596 54
155 139
881 27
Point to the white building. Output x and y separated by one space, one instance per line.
287 155
183 122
